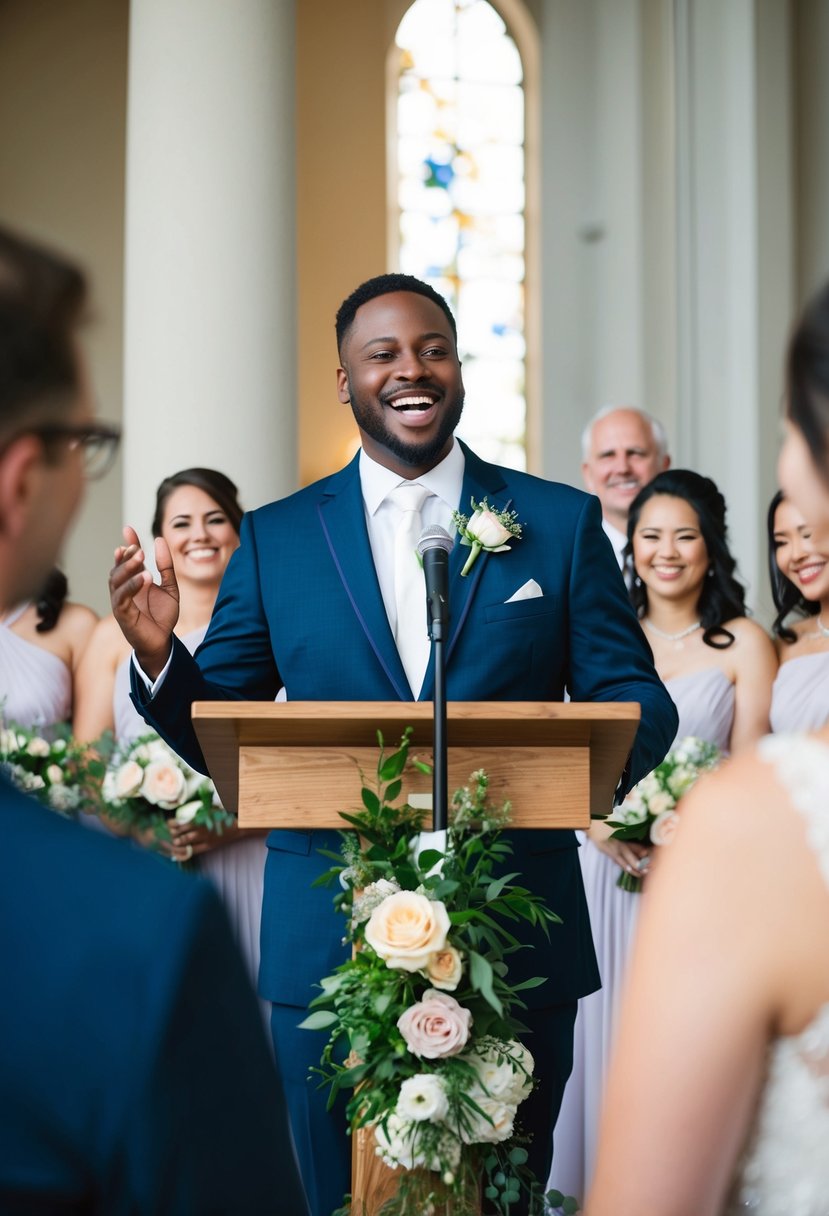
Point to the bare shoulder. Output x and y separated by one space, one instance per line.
78 619
107 643
749 635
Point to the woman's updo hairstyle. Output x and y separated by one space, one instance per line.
722 596
216 485
50 601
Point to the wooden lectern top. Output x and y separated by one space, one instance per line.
296 764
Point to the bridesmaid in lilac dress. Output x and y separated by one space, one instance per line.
41 644
718 667
197 516
799 569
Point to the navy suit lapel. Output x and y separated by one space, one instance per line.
342 517
480 480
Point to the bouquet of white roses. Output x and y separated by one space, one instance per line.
424 1011
55 771
146 784
648 813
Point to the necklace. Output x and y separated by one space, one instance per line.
683 633
821 628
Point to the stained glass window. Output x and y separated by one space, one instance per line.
460 195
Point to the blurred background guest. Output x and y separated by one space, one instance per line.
718 667
134 1074
623 448
197 517
723 1040
799 570
41 644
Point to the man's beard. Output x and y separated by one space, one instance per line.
371 420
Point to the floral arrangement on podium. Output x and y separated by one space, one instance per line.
421 1020
146 784
648 813
56 771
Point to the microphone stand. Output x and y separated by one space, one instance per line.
440 794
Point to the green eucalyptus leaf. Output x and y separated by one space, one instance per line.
320 1020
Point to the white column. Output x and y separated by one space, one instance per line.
210 308
735 254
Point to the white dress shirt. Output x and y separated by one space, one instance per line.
445 481
618 540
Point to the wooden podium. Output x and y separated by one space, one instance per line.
557 763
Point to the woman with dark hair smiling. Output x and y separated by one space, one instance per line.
197 517
723 1039
799 570
718 667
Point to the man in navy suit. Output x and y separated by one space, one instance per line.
135 1079
308 602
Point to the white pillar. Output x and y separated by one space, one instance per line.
210 308
735 254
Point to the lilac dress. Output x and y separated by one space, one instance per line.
705 702
35 685
800 694
237 870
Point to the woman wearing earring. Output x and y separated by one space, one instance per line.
799 569
718 667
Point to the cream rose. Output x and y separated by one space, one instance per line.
437 1026
37 747
163 785
498 1124
664 827
660 803
423 1098
445 968
54 774
486 528
406 929
187 813
127 780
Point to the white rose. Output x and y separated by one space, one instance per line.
423 1098
632 810
163 784
63 798
396 1143
680 781
488 531
505 1070
660 803
157 749
664 827
406 929
54 774
31 782
188 812
126 780
8 741
37 747
445 968
496 1126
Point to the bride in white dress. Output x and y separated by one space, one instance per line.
718 1098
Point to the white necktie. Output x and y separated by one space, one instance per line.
410 633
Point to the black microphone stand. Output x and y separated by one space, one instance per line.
440 794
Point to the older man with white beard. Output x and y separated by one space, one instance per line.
623 448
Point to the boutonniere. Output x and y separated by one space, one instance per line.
486 529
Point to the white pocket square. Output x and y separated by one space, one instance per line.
530 591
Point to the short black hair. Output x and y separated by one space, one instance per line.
384 285
42 304
722 596
214 484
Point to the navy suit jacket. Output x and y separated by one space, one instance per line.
300 605
135 1079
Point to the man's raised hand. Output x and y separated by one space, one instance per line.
146 611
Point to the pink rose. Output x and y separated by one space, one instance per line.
664 827
436 1026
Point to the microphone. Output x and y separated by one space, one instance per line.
434 546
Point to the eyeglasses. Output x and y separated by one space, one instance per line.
97 442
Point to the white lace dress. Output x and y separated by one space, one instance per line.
784 1168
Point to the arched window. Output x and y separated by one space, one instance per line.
458 200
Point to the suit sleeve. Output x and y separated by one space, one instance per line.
610 659
207 1128
234 662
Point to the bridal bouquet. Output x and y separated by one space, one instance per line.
54 771
421 1019
648 813
146 784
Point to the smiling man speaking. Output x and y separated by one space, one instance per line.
315 599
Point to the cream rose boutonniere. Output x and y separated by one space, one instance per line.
486 529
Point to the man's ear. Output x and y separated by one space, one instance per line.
342 386
21 475
666 462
